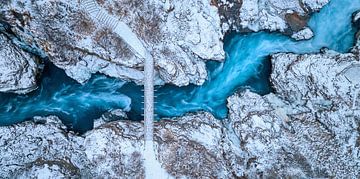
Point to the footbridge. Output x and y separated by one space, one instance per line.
105 19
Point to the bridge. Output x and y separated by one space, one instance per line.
152 166
105 19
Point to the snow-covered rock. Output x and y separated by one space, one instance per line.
37 146
18 69
315 79
188 146
180 36
304 34
112 115
272 137
314 5
308 129
46 148
286 16
46 170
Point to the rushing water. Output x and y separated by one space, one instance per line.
246 66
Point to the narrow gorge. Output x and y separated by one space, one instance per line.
252 88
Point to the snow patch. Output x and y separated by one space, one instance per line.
153 169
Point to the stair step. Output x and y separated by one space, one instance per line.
114 24
93 11
101 16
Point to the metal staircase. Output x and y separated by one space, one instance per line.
99 14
